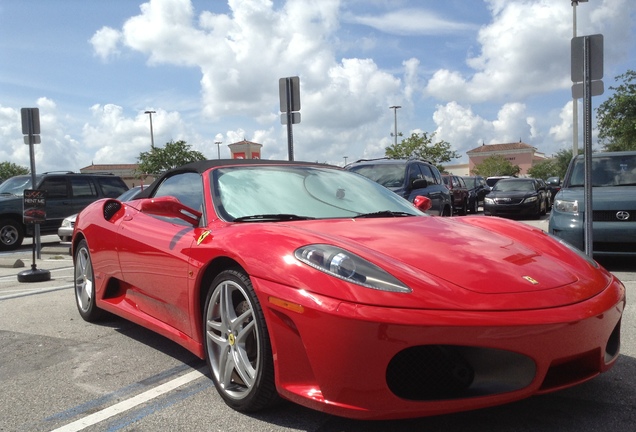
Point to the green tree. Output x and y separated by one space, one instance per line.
421 146
544 169
9 169
616 117
173 155
496 165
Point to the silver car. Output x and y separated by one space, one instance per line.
613 204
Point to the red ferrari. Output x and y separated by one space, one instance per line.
313 284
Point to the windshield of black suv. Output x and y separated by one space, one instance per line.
15 185
514 186
610 170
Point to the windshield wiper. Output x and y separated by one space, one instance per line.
273 217
383 213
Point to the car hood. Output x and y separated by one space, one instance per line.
468 262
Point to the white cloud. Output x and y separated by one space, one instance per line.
105 42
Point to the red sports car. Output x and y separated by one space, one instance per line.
306 282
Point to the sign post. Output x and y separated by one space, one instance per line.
36 202
289 94
587 72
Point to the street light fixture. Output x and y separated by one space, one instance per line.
345 158
152 138
575 103
218 147
395 108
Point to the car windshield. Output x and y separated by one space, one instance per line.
612 170
514 186
388 175
301 192
15 185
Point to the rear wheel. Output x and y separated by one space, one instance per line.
237 345
11 234
464 208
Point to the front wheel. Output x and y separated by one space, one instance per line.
11 234
237 345
85 284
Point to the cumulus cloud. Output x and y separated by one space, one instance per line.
105 42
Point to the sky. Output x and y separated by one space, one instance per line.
471 72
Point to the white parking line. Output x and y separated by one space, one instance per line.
130 403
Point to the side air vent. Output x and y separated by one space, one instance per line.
110 208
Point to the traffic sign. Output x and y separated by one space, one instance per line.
30 121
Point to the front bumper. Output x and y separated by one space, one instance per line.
372 362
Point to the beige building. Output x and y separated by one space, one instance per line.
128 173
519 153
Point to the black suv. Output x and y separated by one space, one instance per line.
408 178
66 193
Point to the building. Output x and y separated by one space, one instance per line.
519 153
245 150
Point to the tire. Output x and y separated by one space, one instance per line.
237 345
85 284
474 207
464 208
11 234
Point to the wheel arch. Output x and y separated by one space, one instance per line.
211 270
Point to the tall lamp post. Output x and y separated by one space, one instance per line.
152 138
395 108
218 147
345 158
575 103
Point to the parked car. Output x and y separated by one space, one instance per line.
306 282
613 204
477 190
458 191
408 178
554 186
66 193
516 197
65 231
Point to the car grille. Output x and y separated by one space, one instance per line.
438 372
614 215
508 201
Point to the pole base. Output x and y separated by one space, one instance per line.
34 275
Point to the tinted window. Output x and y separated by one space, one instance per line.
618 170
112 187
186 187
388 175
55 187
428 174
83 187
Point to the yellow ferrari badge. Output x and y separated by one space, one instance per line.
531 280
203 235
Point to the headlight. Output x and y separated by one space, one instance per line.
350 267
489 201
566 206
530 199
66 223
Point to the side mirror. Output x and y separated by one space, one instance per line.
169 206
422 203
419 184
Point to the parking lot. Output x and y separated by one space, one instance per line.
61 373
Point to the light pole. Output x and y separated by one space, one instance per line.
395 108
575 103
345 158
218 147
152 138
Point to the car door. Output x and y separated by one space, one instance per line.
432 191
58 202
154 255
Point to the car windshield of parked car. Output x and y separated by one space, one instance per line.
388 175
302 192
606 171
15 185
514 186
